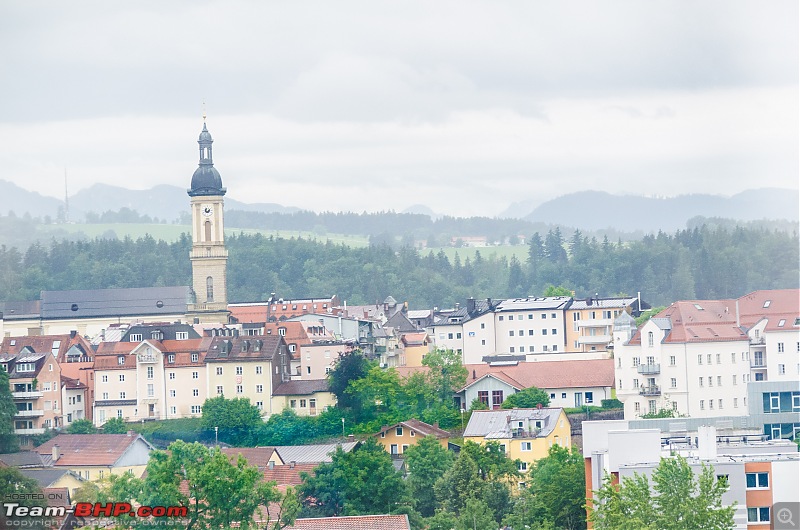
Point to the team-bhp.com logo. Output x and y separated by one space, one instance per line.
15 513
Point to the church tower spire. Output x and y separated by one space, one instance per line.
209 256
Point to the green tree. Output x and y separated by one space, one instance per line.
115 426
442 520
427 462
9 442
552 290
220 491
491 459
558 483
528 398
360 482
460 483
679 499
350 367
82 427
25 491
238 420
476 514
447 373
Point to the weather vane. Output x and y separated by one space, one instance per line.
204 111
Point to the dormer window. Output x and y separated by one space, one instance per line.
195 357
120 360
135 337
181 335
156 335
767 303
282 332
26 367
171 358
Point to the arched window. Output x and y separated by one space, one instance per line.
208 230
209 289
650 339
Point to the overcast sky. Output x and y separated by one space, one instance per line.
463 106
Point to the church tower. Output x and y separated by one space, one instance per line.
208 255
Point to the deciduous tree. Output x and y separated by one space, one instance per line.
528 398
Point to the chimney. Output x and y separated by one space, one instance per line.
458 306
470 305
72 333
474 374
56 453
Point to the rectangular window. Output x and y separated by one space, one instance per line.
122 395
150 372
195 357
700 380
121 378
708 358
702 405
197 409
530 332
736 403
525 446
719 380
589 397
511 333
700 359
181 335
483 396
758 515
151 390
544 332
259 389
757 480
735 379
171 358
172 375
195 375
672 360
673 383
733 358
554 331
173 393
219 390
219 370
104 378
780 347
497 398
302 403
258 370
239 389
511 349
239 370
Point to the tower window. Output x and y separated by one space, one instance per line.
209 289
208 230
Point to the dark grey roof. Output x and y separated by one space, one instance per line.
20 310
206 179
534 304
47 477
401 322
602 303
115 302
168 331
25 459
115 402
301 387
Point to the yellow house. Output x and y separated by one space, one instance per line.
400 436
96 456
524 434
305 397
55 478
415 346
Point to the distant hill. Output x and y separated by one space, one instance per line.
596 210
21 201
421 209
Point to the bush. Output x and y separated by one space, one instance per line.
613 403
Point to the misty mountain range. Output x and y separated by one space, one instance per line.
587 210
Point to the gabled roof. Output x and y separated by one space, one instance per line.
26 459
547 374
301 387
312 454
115 302
420 427
354 522
400 322
90 449
255 456
534 304
238 349
47 477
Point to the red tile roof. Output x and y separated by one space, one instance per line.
255 456
548 374
89 449
358 522
415 339
249 314
288 475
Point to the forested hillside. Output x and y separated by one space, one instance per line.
698 263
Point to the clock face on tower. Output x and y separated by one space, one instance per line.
207 211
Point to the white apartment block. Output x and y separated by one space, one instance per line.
697 357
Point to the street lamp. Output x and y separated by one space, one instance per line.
342 427
216 438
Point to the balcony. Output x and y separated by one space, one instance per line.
28 431
595 339
28 413
522 433
649 369
31 394
595 323
650 390
758 365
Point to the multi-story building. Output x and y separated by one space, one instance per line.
698 357
35 380
759 473
590 322
524 434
